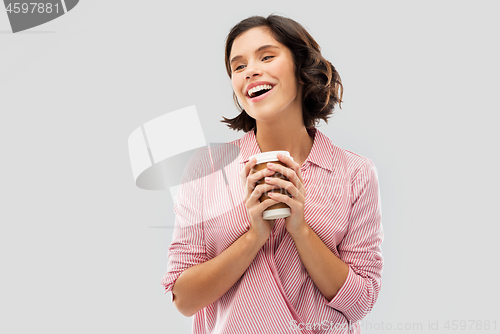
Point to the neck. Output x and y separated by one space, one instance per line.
285 137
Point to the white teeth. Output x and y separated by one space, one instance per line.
258 88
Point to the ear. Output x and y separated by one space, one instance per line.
300 83
300 80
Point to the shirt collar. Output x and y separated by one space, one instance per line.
322 151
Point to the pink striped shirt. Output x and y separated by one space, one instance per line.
276 294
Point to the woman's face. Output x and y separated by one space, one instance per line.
259 63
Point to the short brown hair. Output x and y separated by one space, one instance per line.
322 88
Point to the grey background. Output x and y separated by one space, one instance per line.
78 250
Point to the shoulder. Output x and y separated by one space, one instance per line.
349 162
357 163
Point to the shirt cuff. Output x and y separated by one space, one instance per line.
349 293
168 282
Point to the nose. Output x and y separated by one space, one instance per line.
252 70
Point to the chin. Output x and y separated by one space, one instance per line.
264 115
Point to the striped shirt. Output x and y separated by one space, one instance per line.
276 294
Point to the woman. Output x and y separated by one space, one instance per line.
317 270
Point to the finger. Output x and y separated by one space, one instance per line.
281 198
255 178
289 173
288 161
291 163
283 185
261 207
260 190
267 203
246 170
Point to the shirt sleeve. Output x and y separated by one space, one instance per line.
188 247
360 248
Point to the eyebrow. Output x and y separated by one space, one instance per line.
263 47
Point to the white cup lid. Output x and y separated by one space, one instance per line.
269 156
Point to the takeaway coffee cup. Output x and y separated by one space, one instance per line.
278 210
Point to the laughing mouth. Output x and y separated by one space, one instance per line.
258 90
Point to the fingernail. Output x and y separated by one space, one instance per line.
268 179
270 164
280 155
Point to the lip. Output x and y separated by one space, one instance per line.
257 83
260 97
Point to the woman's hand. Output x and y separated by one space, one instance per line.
295 187
258 226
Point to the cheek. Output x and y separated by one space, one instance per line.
236 85
292 82
286 71
237 88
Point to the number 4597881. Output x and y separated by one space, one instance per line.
32 7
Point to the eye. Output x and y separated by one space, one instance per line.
267 57
239 68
